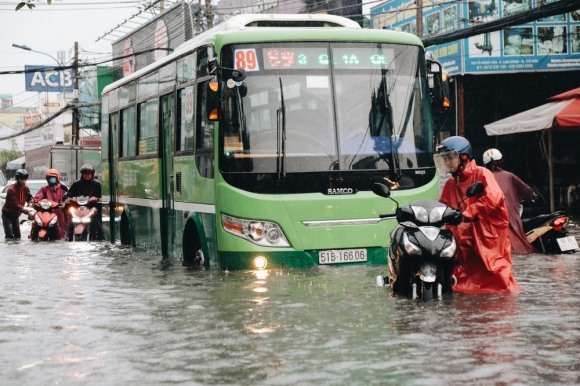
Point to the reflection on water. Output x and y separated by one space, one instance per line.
92 313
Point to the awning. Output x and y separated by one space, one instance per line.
562 113
17 163
539 118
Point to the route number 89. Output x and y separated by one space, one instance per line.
246 59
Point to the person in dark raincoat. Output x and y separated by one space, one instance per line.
484 262
89 186
515 191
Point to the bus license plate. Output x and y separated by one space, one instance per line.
338 256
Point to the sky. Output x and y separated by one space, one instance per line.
56 27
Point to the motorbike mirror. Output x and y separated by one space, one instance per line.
381 190
475 189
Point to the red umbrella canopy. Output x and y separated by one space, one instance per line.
569 117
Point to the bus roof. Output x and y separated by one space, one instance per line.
286 20
278 27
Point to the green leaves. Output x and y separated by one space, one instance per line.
29 3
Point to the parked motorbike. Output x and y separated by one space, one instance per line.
82 212
548 233
422 253
44 220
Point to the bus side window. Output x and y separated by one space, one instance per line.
204 135
148 112
185 120
107 124
128 133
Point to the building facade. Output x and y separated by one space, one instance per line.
501 73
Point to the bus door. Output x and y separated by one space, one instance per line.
111 155
167 128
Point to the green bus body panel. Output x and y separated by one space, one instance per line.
194 188
140 178
105 179
290 211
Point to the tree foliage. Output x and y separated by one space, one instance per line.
30 4
7 156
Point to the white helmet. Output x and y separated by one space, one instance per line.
491 155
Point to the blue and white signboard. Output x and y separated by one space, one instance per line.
551 43
49 79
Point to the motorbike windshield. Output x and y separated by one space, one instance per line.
320 107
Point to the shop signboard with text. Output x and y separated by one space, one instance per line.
49 79
549 44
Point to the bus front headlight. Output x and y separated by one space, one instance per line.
263 233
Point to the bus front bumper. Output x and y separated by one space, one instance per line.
300 259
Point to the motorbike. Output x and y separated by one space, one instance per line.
44 220
548 233
82 211
422 253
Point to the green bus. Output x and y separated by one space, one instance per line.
256 144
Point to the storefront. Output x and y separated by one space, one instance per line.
501 73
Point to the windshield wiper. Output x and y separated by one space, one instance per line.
395 171
281 137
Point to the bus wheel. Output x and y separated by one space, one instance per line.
193 255
125 230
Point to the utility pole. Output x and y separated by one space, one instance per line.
208 14
75 112
419 18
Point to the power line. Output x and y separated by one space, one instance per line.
545 10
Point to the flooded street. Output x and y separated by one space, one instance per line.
98 314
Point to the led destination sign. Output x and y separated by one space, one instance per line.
313 58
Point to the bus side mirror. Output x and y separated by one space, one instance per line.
214 100
438 85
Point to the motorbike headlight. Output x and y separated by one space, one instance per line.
420 214
410 248
436 214
37 220
450 250
53 221
264 233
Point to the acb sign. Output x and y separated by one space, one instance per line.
47 79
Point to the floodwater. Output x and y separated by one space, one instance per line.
98 314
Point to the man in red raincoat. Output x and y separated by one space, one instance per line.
515 191
484 260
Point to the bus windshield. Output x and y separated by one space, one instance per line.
325 107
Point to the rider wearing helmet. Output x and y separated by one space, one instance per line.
492 158
16 197
515 191
88 185
484 262
452 155
56 192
